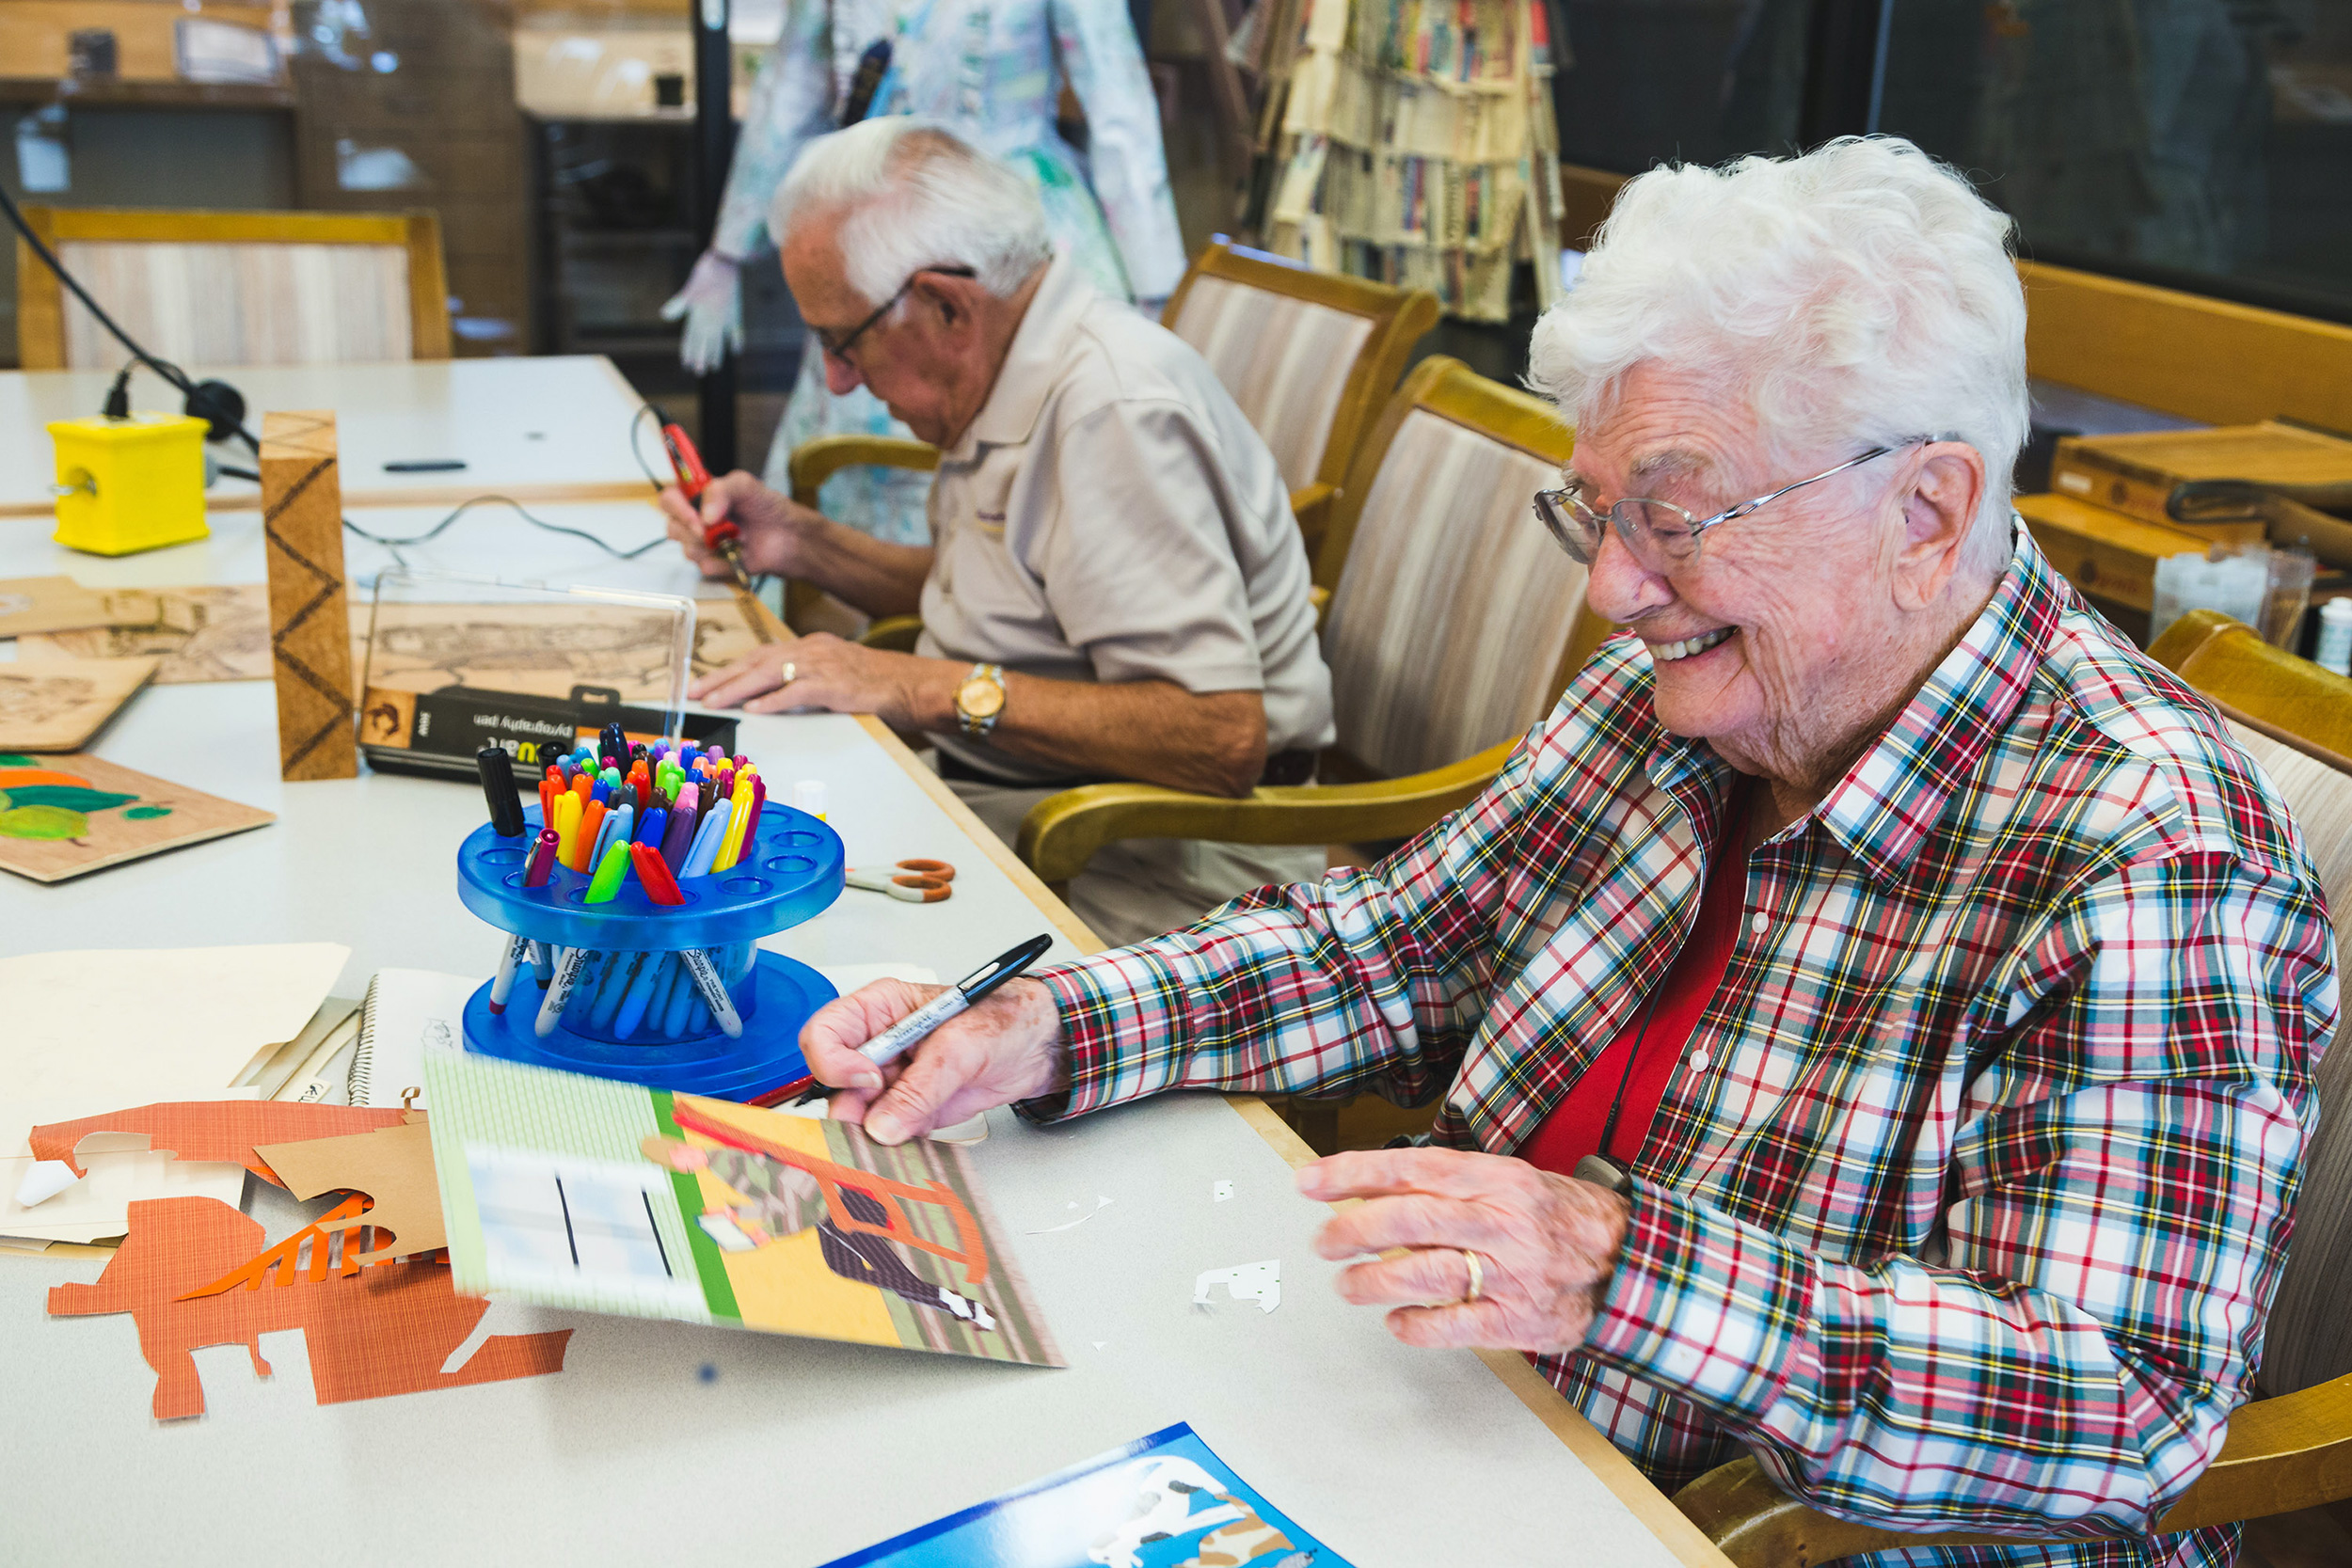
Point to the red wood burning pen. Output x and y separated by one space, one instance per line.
722 537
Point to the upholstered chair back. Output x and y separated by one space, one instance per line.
237 288
1455 619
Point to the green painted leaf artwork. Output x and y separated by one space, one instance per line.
41 803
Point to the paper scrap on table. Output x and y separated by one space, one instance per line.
1220 1191
1258 1282
99 1204
1100 1204
390 1333
119 1023
43 1180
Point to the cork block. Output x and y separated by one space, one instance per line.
309 616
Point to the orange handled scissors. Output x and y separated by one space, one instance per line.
916 882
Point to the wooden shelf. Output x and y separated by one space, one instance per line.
119 94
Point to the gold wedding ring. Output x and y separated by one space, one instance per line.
790 672
1477 1280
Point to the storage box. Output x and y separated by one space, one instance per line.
2138 474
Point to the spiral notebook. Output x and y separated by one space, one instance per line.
407 1013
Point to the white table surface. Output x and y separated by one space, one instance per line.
660 1438
525 425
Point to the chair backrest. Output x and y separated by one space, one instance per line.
235 288
2229 661
1309 356
2305 1342
1456 619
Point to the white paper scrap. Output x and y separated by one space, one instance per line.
43 1180
1220 1191
1100 1204
1258 1282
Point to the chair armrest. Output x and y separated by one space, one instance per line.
1062 831
2280 1454
894 633
815 461
1312 505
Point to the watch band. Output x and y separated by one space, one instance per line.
980 723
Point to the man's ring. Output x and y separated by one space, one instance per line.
1477 1280
790 672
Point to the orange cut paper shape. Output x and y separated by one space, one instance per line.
393 1165
217 1129
387 1329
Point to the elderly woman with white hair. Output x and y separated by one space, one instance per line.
1875 1013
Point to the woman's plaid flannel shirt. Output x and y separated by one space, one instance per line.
1967 1204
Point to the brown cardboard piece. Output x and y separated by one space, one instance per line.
68 816
309 617
393 1165
57 704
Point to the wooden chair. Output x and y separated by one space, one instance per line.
1309 356
1453 626
2292 1449
2229 661
235 288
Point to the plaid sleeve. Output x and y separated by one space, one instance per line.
2118 1196
1367 979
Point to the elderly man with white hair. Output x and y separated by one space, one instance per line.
1115 587
1875 1014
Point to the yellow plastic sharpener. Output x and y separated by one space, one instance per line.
130 484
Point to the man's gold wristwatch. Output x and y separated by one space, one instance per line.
981 698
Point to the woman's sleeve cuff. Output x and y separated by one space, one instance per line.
1701 1304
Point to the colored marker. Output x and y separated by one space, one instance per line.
641 990
591 824
567 967
619 970
677 840
567 813
497 788
712 990
509 956
611 872
659 885
706 840
541 862
678 1004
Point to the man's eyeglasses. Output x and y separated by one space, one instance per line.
1655 531
839 347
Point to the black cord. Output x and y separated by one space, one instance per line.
439 529
237 473
216 411
639 453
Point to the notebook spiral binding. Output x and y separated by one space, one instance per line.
363 1050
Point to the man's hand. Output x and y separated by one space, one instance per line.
835 676
1547 1245
773 525
1006 1048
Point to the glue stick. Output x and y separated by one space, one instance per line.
809 796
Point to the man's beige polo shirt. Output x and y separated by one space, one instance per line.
1111 517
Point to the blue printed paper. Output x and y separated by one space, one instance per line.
1162 1501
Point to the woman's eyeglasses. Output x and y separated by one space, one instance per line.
1657 530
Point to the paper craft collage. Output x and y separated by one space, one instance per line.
611 1197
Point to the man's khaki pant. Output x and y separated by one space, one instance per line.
1141 887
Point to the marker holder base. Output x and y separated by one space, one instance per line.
769 1052
791 872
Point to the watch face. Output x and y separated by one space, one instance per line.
979 697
